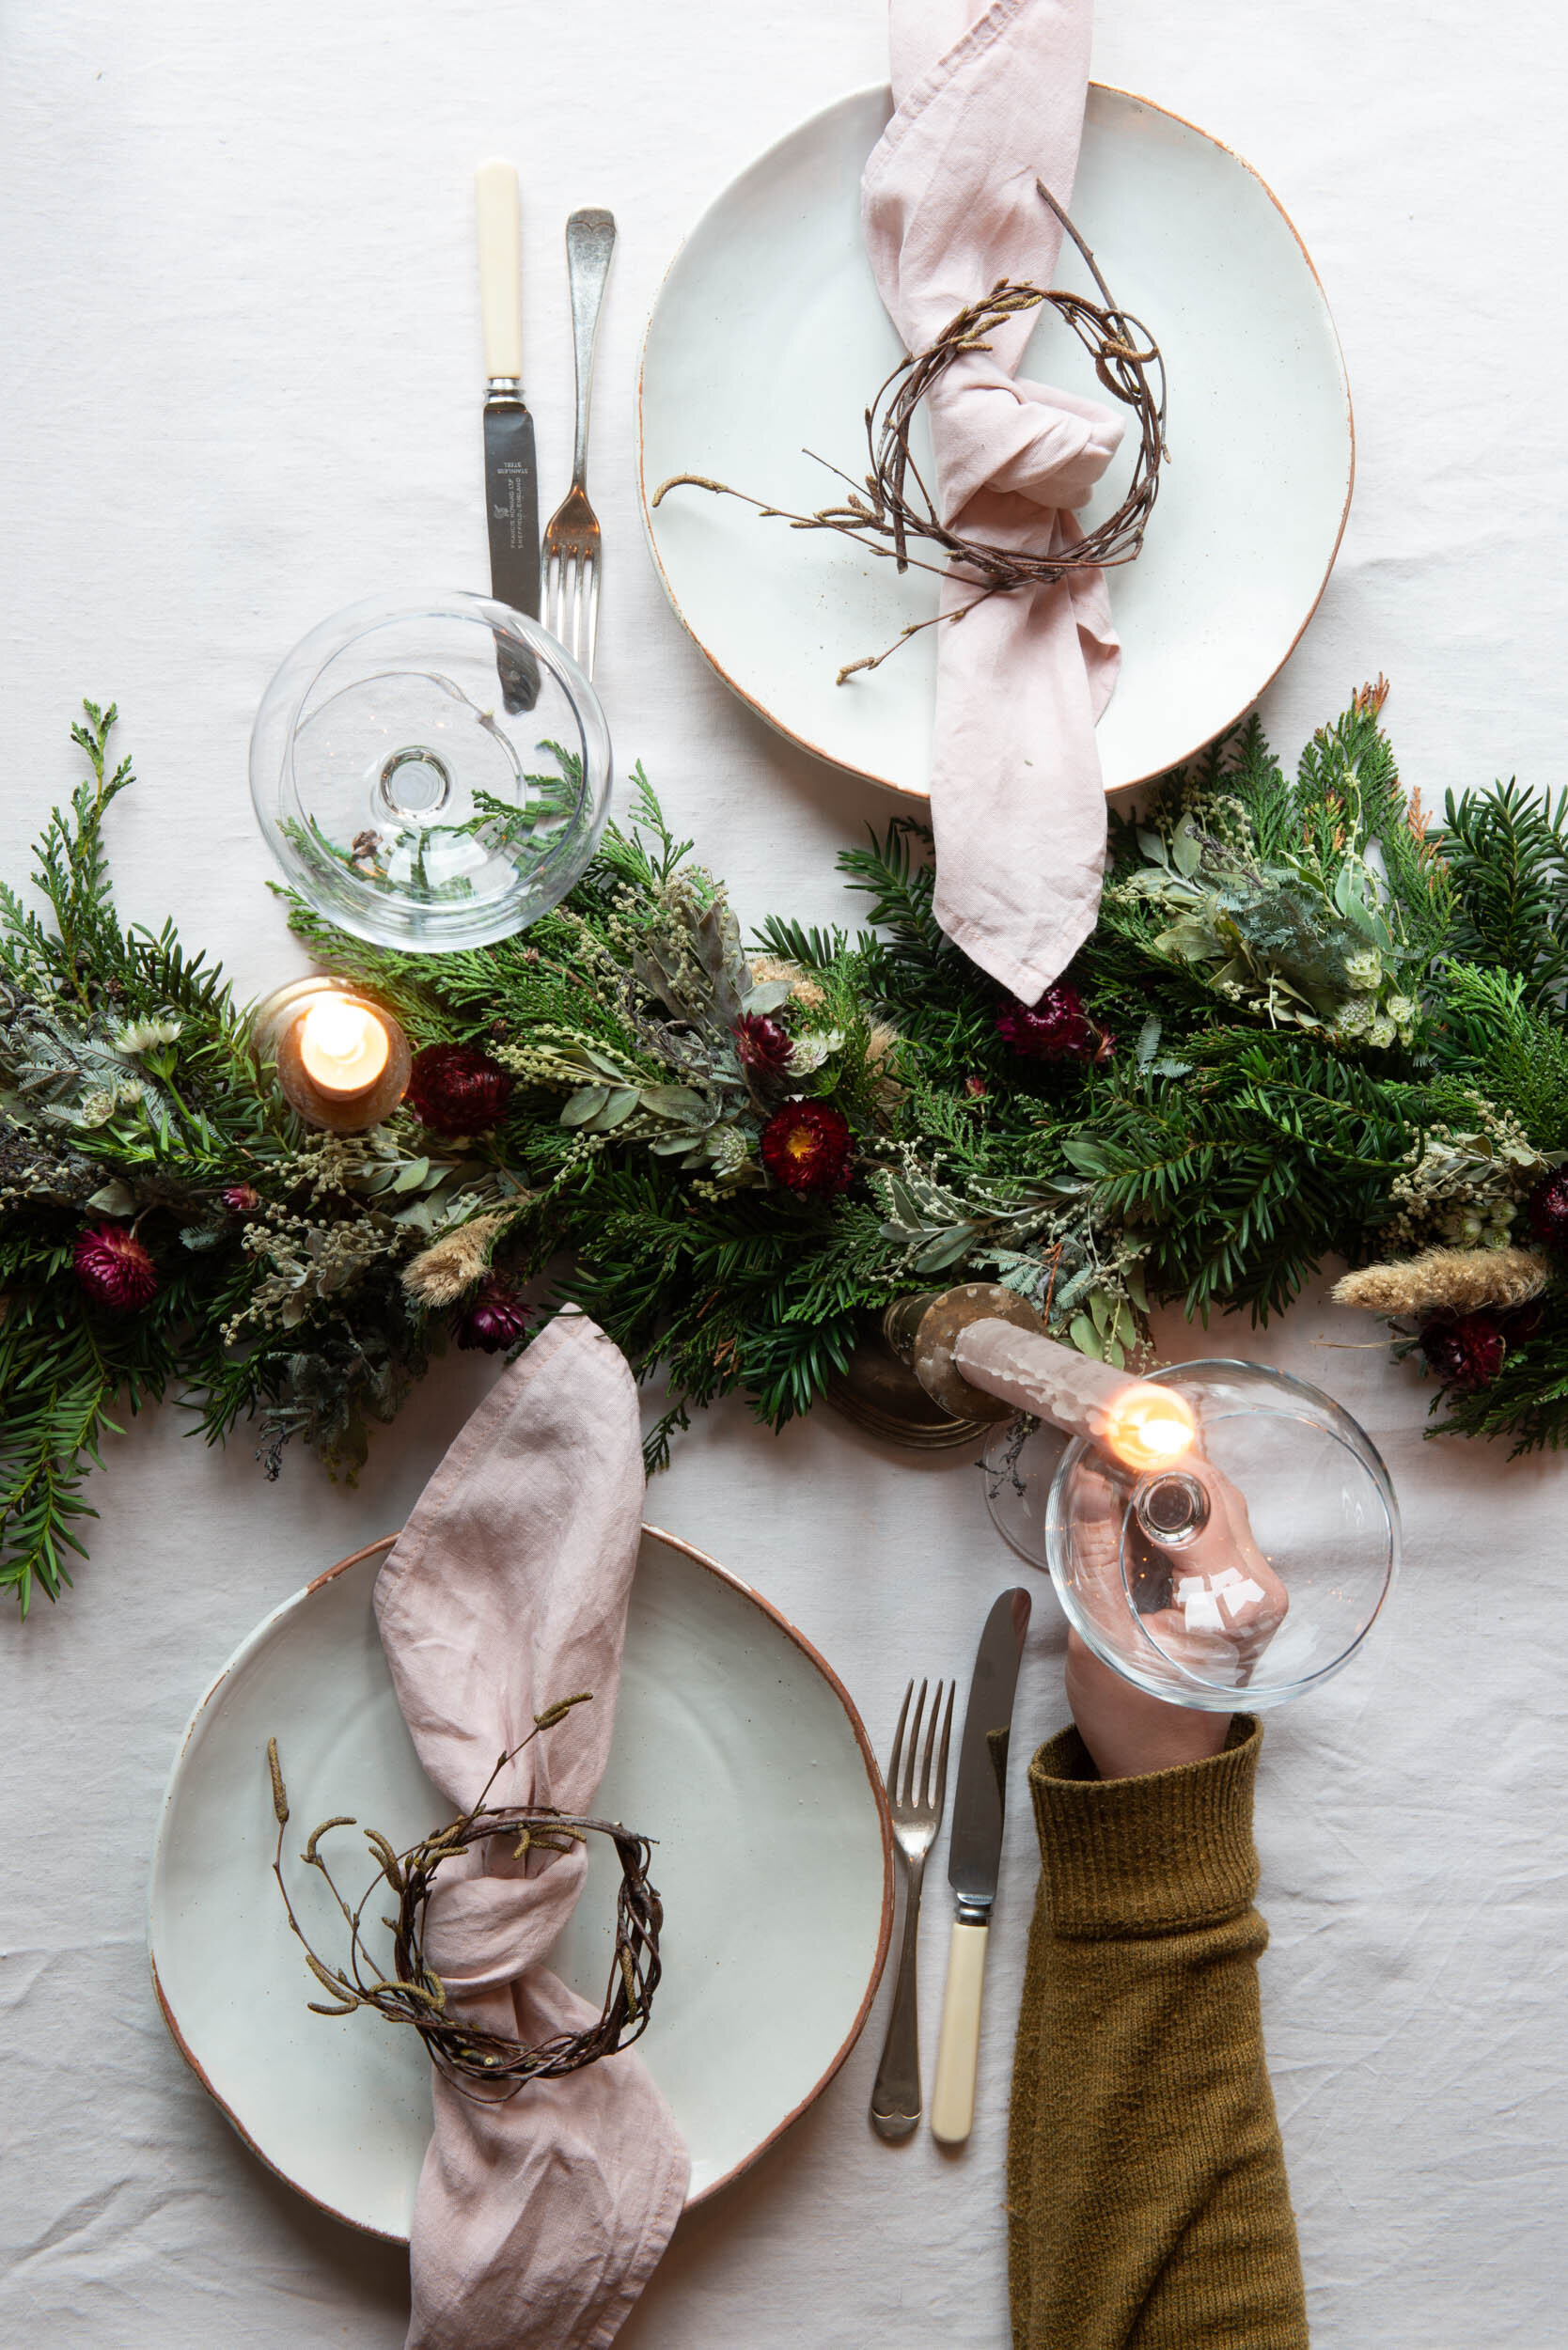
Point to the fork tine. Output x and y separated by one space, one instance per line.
592 615
895 1756
906 1793
930 1747
577 643
942 1759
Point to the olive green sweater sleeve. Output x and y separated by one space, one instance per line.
1146 2196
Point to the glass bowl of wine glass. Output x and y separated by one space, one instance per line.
1233 1547
430 773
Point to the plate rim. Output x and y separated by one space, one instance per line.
723 1575
922 796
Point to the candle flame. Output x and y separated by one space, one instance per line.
1150 1428
344 1046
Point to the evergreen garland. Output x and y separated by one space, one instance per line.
1308 1023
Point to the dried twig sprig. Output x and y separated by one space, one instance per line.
898 510
486 2066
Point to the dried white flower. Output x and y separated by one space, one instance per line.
809 1052
146 1035
97 1108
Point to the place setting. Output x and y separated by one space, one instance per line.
526 1876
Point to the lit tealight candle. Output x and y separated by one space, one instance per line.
344 1047
1150 1428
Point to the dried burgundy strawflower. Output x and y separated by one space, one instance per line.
114 1268
496 1319
808 1147
1056 1028
457 1089
1467 1352
761 1044
1547 1209
241 1199
976 1087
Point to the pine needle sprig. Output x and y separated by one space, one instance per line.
1506 854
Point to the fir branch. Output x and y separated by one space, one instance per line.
1506 854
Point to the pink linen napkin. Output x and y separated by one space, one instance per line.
988 98
538 2222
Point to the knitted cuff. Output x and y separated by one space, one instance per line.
1146 1856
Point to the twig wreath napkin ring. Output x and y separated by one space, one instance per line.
951 206
507 1590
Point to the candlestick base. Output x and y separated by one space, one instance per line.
900 1383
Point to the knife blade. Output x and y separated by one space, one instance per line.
510 465
975 1859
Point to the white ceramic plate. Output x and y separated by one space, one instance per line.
734 1744
768 338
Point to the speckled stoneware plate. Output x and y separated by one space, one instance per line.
768 338
734 1744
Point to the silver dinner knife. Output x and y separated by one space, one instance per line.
510 466
975 1859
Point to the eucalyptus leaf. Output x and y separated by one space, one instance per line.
945 1250
115 1198
617 1110
1186 850
677 1102
1152 847
585 1104
1085 1337
411 1177
1086 1156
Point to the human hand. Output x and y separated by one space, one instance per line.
1126 1730
1233 1603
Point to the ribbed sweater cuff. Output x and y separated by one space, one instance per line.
1146 1856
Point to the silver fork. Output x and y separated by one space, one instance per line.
916 1816
572 553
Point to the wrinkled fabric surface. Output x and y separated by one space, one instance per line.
990 101
240 368
539 2220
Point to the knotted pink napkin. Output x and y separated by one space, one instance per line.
989 98
538 2222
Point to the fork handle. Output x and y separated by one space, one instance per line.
590 244
896 2092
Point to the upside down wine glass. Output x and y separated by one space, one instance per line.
406 794
1219 1533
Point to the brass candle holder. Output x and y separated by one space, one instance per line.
901 1384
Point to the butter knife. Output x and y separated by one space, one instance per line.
975 1859
510 467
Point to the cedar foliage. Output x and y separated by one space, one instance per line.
1320 1010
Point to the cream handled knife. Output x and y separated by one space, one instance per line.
975 1859
511 470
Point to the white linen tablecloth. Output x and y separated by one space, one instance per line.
239 377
